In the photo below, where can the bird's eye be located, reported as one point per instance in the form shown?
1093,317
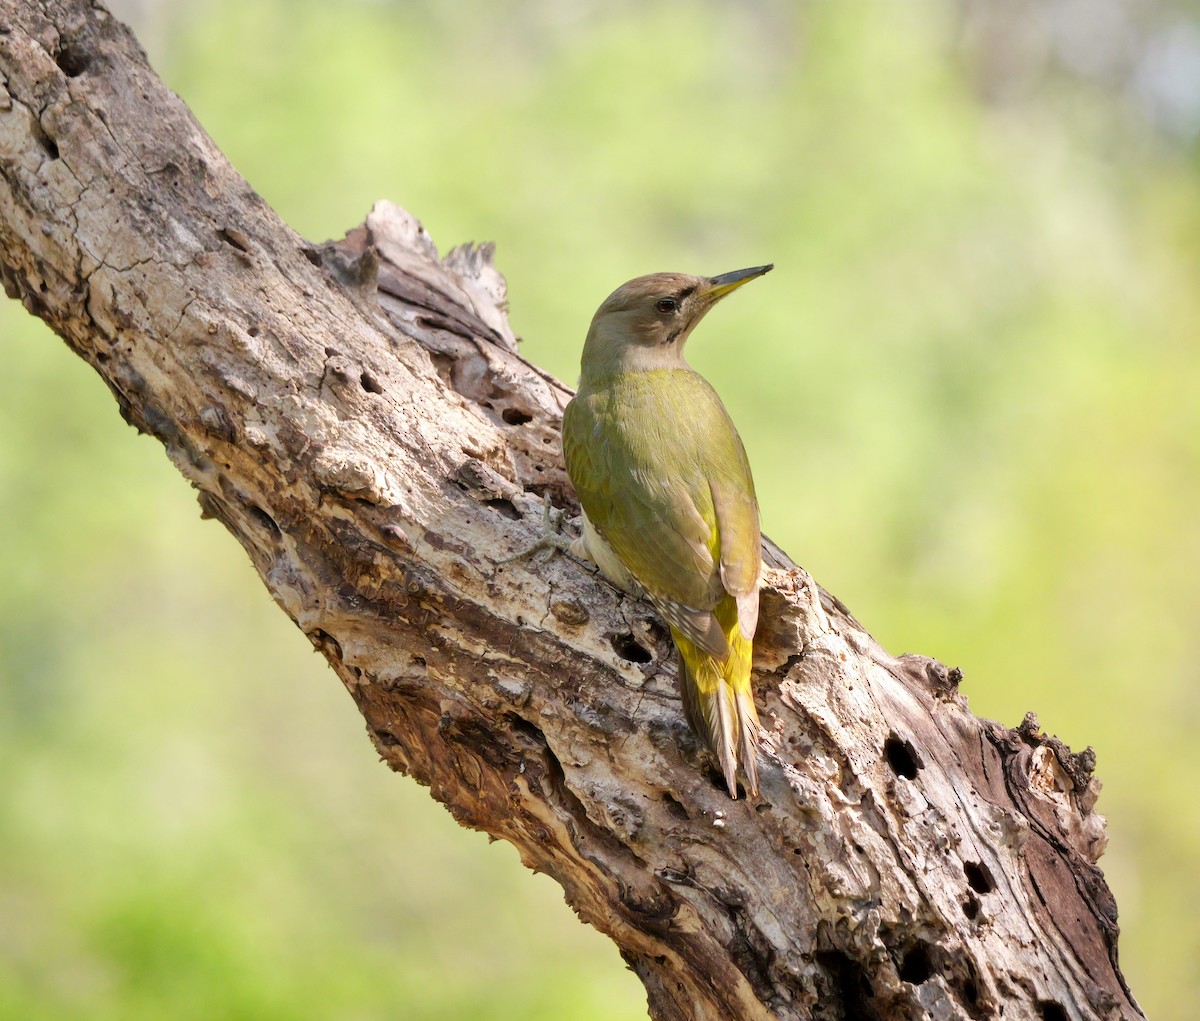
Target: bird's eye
667,305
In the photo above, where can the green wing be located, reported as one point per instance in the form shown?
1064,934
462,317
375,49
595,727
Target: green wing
663,477
741,541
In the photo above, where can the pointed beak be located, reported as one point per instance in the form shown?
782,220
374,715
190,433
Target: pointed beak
722,285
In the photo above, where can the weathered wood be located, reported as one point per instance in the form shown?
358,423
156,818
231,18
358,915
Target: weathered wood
357,416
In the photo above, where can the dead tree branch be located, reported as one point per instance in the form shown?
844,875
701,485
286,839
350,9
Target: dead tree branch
358,418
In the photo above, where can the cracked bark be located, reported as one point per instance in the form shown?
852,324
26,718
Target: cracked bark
357,416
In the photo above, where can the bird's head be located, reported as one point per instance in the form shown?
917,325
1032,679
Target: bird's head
644,323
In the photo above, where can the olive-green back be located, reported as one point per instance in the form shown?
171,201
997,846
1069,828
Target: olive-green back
662,474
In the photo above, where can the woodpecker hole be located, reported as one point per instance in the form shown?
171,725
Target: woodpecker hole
504,507
901,757
370,384
48,144
917,966
264,519
323,641
970,994
515,416
385,738
629,648
72,61
978,877
674,806
1052,1011
848,984
235,239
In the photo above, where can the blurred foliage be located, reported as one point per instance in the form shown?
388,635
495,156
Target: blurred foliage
969,391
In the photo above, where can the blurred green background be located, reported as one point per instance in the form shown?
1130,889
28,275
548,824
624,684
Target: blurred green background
970,391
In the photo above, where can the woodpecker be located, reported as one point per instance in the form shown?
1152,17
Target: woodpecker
669,509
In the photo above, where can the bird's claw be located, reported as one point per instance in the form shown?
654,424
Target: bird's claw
551,538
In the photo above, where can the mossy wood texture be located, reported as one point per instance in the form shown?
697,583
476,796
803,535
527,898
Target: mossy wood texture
358,417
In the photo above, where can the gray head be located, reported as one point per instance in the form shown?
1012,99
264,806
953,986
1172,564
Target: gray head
644,323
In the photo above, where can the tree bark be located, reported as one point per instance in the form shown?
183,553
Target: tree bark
356,414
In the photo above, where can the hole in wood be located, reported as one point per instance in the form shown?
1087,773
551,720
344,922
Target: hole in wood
72,61
1052,1011
504,507
675,806
324,642
385,738
901,757
917,965
970,993
849,986
370,383
235,239
971,907
265,520
47,143
978,877
629,648
529,731
515,416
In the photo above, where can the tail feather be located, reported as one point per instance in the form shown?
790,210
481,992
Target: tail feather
748,738
719,704
726,735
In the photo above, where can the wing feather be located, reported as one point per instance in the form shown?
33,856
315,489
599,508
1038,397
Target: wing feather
741,542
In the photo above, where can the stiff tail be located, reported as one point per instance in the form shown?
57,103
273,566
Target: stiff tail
719,704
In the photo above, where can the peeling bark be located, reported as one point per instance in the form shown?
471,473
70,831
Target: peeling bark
357,416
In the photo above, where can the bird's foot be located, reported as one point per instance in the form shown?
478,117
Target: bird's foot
552,538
